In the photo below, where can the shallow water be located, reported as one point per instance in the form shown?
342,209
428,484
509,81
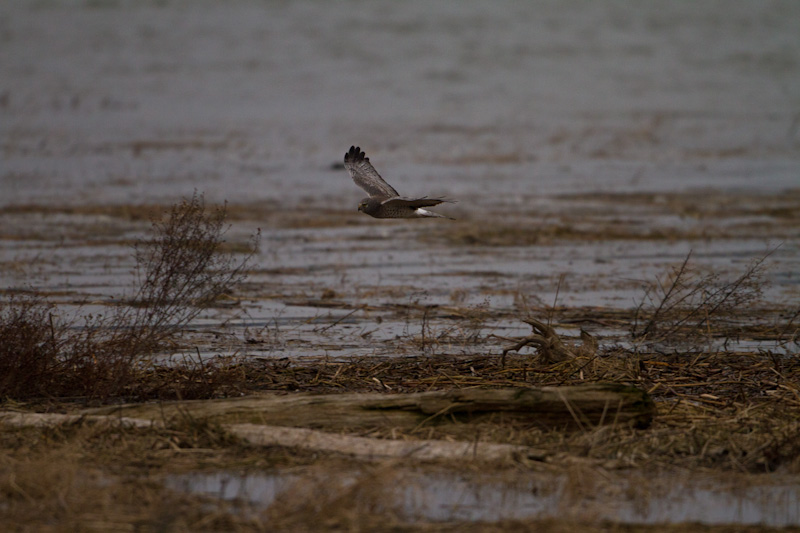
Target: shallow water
454,497
126,101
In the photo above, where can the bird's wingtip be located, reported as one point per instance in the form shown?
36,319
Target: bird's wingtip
354,154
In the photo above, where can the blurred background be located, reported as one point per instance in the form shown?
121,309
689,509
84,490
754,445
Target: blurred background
136,101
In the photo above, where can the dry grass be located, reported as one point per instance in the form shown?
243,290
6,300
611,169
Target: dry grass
78,477
717,411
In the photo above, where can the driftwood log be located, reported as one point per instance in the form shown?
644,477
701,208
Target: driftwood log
316,421
581,407
364,448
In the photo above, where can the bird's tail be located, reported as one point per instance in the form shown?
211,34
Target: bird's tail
425,213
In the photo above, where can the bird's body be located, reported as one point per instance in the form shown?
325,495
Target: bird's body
383,201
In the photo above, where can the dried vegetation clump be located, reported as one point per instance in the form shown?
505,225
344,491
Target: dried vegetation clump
687,307
725,411
29,343
179,271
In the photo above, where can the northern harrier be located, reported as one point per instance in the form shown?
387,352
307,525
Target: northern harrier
383,201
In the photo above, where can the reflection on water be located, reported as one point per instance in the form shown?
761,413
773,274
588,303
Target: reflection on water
451,497
257,488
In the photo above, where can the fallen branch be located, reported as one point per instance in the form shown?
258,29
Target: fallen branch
372,449
550,346
573,407
17,419
310,439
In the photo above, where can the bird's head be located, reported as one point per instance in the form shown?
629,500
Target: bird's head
362,205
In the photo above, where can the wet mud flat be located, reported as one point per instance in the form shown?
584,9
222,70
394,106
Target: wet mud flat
325,273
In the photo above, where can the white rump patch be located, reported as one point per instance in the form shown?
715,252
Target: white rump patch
426,213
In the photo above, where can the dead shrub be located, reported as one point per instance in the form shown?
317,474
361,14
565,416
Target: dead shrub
29,346
688,306
179,270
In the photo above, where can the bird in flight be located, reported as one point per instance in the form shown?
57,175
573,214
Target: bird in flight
383,201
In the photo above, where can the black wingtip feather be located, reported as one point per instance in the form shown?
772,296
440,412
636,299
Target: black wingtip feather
355,154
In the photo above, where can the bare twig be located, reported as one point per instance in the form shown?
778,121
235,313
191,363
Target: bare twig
692,305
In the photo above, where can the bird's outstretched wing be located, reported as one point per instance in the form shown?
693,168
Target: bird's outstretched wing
365,175
415,202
